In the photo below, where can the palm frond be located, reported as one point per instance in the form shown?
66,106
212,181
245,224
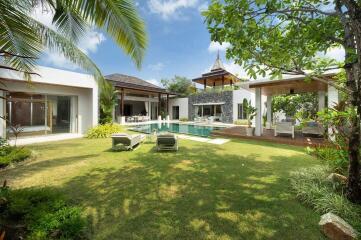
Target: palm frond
57,43
120,19
19,42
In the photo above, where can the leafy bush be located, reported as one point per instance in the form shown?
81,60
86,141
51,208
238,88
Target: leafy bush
337,159
43,213
183,119
9,154
312,187
241,122
104,130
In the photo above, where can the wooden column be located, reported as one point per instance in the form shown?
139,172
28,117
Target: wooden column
122,103
222,81
205,84
214,84
231,82
167,104
159,103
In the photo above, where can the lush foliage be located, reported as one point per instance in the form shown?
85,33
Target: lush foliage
183,119
313,188
10,154
249,110
40,214
104,130
23,38
335,158
300,106
180,85
241,122
107,101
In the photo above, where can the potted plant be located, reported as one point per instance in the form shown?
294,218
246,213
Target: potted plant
250,113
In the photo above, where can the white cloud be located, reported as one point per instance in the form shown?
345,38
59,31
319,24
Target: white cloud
156,67
170,8
337,53
155,82
203,6
88,43
215,46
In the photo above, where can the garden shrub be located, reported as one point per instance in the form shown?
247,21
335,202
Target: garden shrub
312,187
241,122
104,130
336,159
183,119
43,213
10,154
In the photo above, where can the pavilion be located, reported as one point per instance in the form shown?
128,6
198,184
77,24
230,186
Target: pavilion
291,85
217,77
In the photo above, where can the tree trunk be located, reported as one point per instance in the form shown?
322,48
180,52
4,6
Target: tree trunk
352,45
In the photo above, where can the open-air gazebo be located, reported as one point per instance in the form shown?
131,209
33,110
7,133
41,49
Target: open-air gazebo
217,77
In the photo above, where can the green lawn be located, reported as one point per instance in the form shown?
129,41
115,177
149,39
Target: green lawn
238,190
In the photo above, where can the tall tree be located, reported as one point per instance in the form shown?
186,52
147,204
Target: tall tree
23,38
285,37
180,85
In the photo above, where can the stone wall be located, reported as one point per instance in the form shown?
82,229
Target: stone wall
213,97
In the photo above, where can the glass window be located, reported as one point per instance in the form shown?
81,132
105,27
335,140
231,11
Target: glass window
241,113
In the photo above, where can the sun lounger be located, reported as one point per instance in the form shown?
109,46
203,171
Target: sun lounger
126,141
167,141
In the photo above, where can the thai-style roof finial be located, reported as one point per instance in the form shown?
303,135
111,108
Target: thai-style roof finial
218,63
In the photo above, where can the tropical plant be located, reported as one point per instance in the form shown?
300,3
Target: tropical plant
23,39
107,100
180,85
104,130
296,105
287,37
249,110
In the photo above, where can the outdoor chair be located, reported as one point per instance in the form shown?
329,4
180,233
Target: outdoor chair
126,141
313,128
284,128
167,141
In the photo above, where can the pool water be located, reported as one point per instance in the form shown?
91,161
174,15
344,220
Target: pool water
202,131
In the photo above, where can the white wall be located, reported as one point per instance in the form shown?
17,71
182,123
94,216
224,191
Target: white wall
183,107
238,96
58,82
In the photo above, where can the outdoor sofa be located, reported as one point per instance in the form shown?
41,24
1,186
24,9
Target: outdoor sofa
284,128
313,128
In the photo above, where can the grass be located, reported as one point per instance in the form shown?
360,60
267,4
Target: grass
239,190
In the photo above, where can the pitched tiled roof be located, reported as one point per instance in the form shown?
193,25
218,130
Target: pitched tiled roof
121,80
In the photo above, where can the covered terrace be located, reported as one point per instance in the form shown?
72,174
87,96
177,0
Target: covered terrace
264,90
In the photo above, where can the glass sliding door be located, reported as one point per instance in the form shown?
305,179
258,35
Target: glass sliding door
37,114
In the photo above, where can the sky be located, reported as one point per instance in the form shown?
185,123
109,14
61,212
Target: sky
178,44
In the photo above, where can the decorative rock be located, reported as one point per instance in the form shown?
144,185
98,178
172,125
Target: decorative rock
337,178
335,228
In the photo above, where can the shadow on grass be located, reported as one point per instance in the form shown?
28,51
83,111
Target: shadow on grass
195,193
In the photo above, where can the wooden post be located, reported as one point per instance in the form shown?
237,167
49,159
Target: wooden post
167,104
205,84
222,81
214,83
159,104
122,102
231,82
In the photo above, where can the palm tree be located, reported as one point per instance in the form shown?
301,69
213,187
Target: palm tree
23,38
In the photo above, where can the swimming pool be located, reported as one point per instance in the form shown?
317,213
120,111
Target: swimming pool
202,131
